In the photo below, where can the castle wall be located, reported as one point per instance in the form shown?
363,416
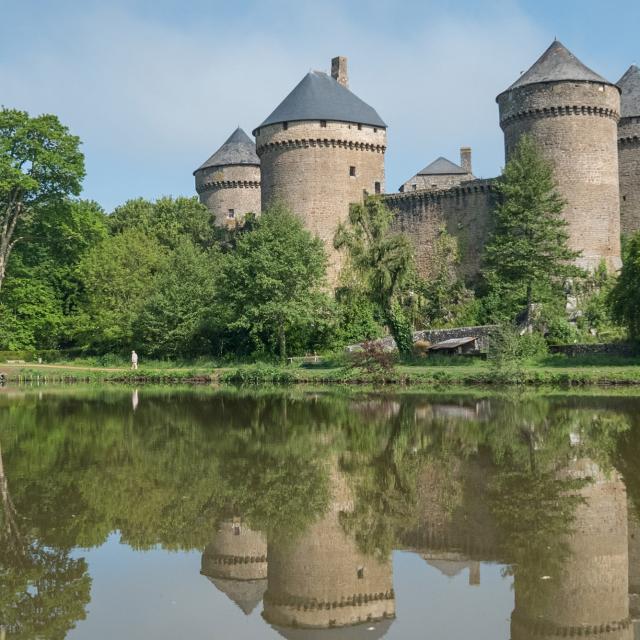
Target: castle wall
465,211
589,596
307,167
629,161
235,187
575,127
322,579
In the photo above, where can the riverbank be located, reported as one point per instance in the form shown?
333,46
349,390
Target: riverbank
551,370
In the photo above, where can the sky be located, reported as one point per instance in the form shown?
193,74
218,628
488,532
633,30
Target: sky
154,87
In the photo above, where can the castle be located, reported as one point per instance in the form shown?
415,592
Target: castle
323,148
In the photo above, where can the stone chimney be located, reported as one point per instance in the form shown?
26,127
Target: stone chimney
339,71
465,159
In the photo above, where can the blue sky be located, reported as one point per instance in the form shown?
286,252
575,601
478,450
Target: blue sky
154,87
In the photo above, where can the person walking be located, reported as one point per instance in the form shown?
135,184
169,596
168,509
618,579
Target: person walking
134,360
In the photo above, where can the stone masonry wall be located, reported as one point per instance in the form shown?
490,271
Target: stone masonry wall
465,212
629,161
307,167
419,182
234,187
575,126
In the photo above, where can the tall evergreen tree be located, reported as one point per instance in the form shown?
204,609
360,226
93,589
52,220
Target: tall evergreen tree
527,258
625,296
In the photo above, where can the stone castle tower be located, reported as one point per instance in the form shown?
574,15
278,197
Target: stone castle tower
321,580
572,114
589,597
228,183
629,150
236,563
320,150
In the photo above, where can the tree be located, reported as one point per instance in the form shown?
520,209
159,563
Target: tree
271,285
40,163
383,260
527,258
169,220
173,320
625,296
119,279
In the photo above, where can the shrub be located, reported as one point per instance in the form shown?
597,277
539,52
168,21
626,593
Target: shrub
374,359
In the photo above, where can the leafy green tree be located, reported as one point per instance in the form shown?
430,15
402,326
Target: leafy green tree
40,163
42,289
625,296
527,258
173,321
271,285
169,220
119,276
383,260
447,301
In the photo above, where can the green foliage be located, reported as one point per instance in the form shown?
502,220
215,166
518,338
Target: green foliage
374,359
119,276
527,259
383,261
257,374
169,220
40,164
624,298
356,316
447,301
173,320
508,350
270,287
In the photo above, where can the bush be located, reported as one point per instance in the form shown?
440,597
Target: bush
258,373
374,359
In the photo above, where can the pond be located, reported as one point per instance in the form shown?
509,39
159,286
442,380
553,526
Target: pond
202,513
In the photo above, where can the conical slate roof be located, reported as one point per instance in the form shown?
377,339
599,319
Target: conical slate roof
238,148
247,594
630,87
556,64
442,167
319,97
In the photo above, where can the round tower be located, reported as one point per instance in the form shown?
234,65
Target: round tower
320,150
236,563
588,596
629,150
321,580
228,183
572,114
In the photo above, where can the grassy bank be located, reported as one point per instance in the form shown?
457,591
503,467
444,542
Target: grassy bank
550,370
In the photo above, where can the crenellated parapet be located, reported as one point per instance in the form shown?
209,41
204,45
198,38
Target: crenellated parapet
227,184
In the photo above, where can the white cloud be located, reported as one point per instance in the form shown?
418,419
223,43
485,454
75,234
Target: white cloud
155,98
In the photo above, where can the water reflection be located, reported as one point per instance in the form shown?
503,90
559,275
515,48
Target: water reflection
298,501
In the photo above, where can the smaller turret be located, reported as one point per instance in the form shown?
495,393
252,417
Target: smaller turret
228,183
441,174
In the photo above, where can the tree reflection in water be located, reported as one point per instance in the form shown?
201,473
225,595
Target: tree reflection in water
305,496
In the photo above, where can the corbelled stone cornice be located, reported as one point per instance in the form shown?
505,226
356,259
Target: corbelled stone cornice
305,143
559,111
228,184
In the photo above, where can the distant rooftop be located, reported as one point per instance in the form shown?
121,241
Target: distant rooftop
319,97
556,64
238,148
630,87
442,167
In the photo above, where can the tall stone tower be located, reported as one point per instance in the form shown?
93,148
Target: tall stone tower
320,150
629,150
322,580
236,563
572,114
588,597
228,183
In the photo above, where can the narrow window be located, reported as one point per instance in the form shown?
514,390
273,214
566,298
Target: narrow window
285,125
434,186
360,573
375,129
352,172
236,529
323,123
624,198
231,213
376,187
414,187
359,127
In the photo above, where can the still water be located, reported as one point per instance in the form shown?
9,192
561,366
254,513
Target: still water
237,514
